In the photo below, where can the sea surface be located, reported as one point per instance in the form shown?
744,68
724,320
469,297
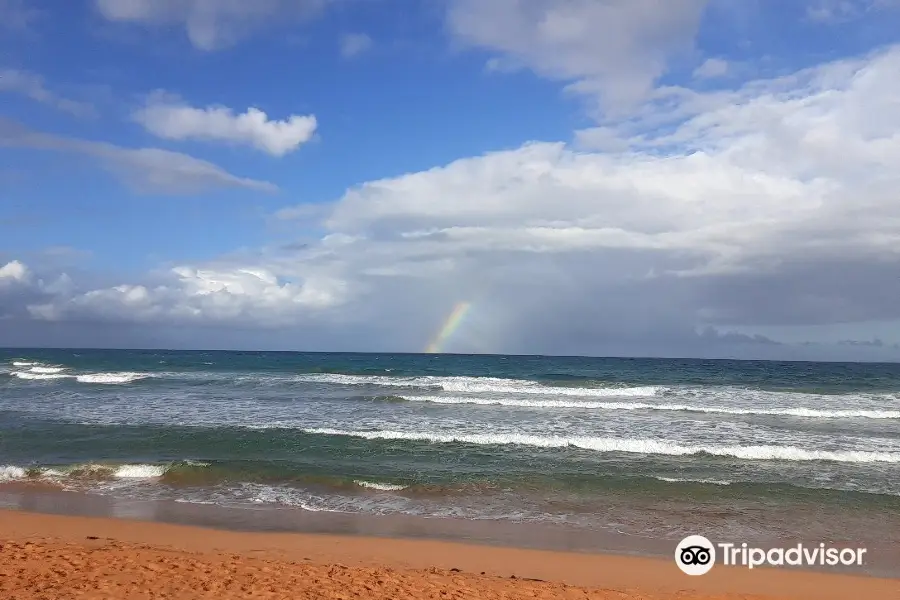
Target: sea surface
649,448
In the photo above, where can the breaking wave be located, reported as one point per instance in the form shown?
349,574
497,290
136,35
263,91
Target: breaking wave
477,385
679,480
383,487
39,376
91,470
53,373
140,471
47,370
626,445
536,403
110,378
12,472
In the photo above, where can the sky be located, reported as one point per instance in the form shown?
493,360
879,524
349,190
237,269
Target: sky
690,178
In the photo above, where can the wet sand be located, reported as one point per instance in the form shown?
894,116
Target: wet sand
54,556
43,498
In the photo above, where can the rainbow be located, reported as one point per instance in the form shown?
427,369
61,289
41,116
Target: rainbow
451,324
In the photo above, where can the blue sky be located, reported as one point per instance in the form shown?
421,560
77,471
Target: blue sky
655,170
408,103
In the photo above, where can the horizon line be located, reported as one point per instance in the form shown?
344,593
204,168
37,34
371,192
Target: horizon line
437,354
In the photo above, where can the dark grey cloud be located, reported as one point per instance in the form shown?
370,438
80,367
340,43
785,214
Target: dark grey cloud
829,291
875,343
406,316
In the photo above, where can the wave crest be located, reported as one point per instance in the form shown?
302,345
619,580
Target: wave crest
537,403
626,445
39,376
91,471
382,487
478,385
101,378
140,471
679,480
110,378
47,370
12,472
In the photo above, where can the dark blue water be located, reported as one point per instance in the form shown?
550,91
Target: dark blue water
645,447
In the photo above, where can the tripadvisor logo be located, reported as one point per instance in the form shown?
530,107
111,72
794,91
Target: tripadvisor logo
696,555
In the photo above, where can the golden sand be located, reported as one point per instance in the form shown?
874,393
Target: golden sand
55,557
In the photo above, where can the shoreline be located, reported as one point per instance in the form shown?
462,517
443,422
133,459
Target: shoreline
152,554
31,498
48,499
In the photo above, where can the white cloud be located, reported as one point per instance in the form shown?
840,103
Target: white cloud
13,271
615,49
144,169
711,68
771,204
169,117
209,24
186,295
354,44
32,86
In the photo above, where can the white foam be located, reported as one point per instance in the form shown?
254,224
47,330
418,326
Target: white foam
131,471
110,378
139,471
811,413
287,497
505,386
52,473
536,403
709,481
39,376
311,508
89,468
47,370
527,403
479,385
383,487
47,373
22,363
11,472
626,445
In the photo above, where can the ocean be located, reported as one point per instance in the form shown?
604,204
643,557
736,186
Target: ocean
650,449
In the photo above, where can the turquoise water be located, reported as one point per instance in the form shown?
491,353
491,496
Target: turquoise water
644,447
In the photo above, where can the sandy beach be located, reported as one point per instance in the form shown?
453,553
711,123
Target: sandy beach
53,556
